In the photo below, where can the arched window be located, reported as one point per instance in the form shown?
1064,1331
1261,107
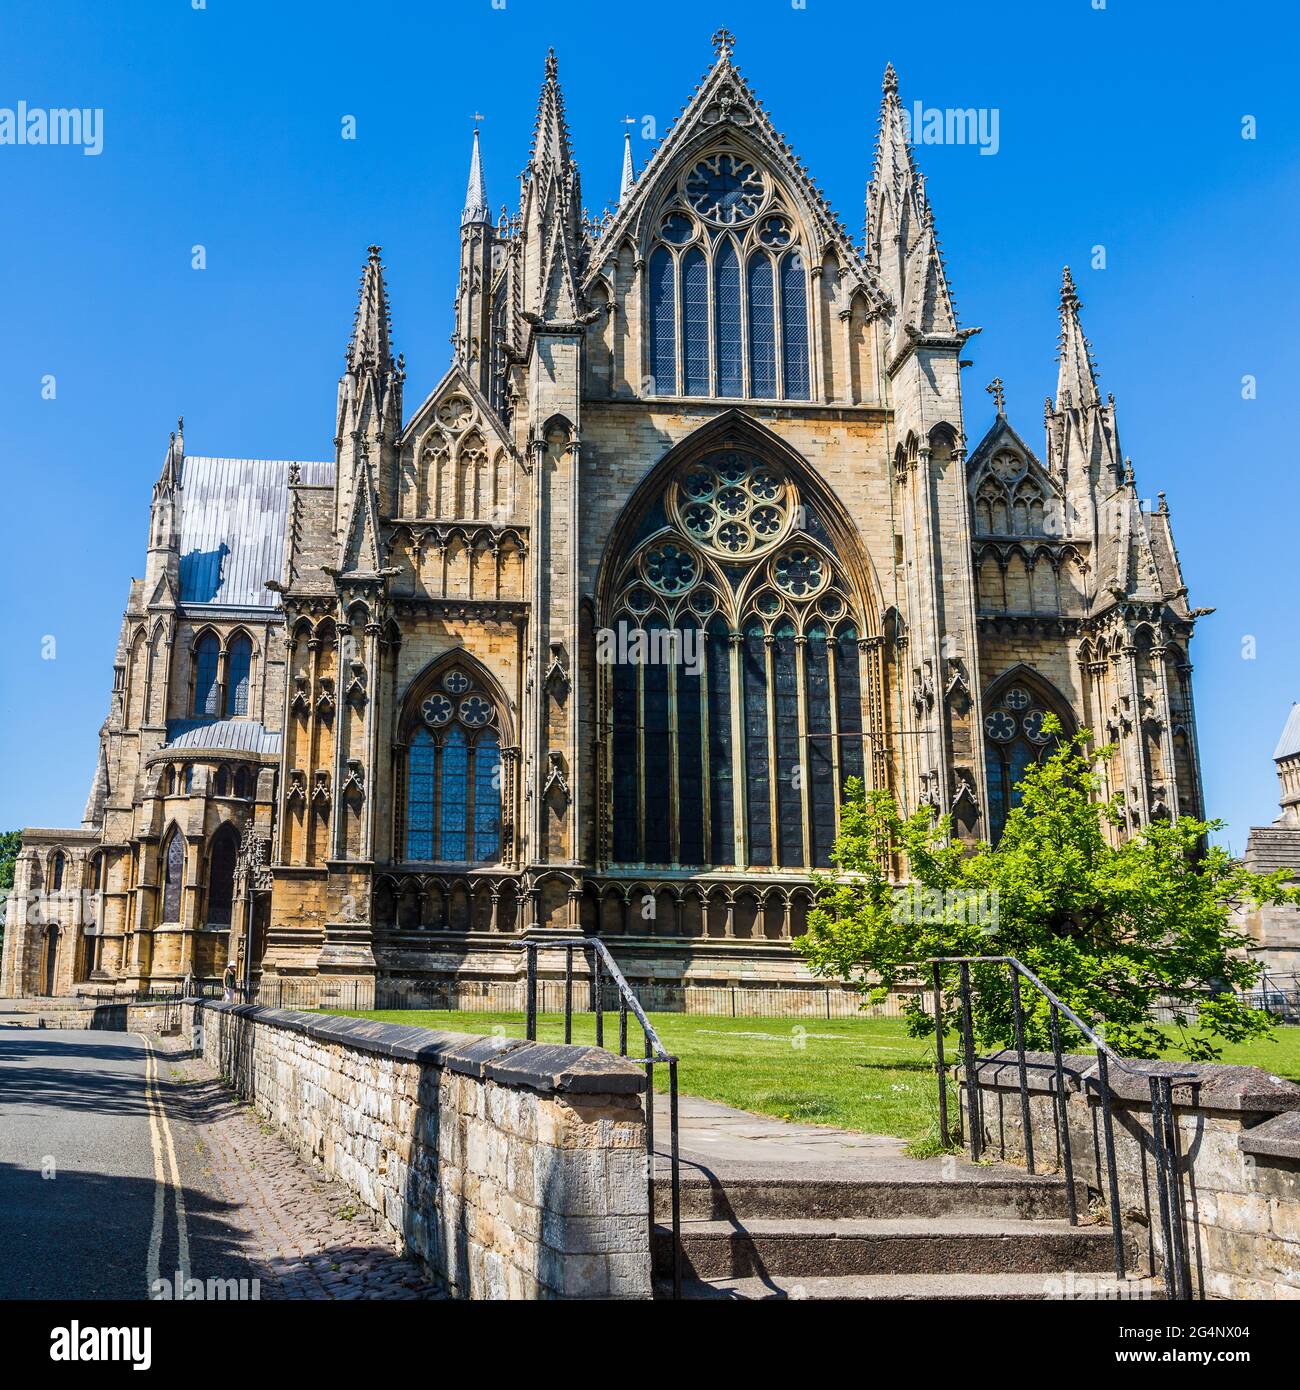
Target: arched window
762,327
243,783
727,265
726,299
221,783
221,875
736,712
207,693
794,325
695,322
239,662
1013,741
56,872
173,866
663,323
451,809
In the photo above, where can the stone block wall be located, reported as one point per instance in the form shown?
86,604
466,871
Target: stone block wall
509,1169
1238,1132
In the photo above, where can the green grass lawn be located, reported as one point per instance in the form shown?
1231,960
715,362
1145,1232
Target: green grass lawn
857,1073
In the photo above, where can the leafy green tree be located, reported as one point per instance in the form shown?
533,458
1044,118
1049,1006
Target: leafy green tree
1112,929
10,843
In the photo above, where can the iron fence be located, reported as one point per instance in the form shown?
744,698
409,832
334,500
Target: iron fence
1169,1190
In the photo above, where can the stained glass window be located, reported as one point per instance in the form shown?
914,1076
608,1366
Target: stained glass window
794,326
655,759
848,687
688,693
663,323
721,803
173,874
695,322
726,294
1013,741
627,838
453,794
238,664
821,767
221,876
206,691
757,759
487,799
762,329
421,783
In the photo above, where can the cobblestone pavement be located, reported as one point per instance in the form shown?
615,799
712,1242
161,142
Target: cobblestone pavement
304,1235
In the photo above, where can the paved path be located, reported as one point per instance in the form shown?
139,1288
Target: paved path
124,1162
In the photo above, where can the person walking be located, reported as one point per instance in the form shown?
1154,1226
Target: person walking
228,983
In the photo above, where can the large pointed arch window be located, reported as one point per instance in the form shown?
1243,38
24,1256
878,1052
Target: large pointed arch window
239,665
449,809
173,866
728,288
1014,740
222,857
207,693
731,676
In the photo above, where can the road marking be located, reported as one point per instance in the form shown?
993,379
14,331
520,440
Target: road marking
160,1137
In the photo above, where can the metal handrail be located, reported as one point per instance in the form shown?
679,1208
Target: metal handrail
602,963
1163,1130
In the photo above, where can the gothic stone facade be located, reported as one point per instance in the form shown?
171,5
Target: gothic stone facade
380,714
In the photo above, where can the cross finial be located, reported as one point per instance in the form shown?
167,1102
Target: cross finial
723,42
479,118
996,390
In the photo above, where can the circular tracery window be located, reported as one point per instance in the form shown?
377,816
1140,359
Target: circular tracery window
725,189
457,700
732,503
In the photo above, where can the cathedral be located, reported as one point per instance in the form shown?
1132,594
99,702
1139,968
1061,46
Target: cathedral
591,634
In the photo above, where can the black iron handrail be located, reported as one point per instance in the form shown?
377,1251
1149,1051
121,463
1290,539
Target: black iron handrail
1164,1132
604,966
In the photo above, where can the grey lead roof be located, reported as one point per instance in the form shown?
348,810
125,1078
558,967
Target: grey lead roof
230,735
1289,744
233,514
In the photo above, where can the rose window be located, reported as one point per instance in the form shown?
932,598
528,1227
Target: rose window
436,710
1000,726
456,681
1016,698
475,711
725,189
799,573
1032,724
732,503
670,568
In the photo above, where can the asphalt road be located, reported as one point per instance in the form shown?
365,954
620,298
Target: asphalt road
102,1184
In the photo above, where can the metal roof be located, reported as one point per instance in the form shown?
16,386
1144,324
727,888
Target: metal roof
227,735
233,514
1289,744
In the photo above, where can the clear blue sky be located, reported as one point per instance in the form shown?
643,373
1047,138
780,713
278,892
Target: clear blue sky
1119,127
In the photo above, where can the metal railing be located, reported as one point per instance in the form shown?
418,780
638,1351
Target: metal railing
1163,1129
603,971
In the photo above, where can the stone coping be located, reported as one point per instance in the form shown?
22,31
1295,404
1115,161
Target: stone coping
1217,1085
552,1068
1275,1138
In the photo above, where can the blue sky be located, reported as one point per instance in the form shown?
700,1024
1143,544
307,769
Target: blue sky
1118,127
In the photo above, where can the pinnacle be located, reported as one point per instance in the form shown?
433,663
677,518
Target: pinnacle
1069,295
890,83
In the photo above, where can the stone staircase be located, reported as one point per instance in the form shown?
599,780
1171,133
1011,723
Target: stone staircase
914,1229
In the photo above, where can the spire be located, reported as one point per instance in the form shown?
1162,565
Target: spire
371,344
1076,382
902,245
476,203
551,212
169,480
628,181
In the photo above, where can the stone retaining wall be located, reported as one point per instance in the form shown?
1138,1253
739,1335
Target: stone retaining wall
510,1169
116,1016
1239,1160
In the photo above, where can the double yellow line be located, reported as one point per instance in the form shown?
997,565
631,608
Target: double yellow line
166,1174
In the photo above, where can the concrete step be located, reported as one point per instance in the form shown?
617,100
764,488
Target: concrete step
808,1248
1069,1286
981,1193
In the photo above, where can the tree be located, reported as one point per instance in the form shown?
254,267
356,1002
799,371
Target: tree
1111,929
11,842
